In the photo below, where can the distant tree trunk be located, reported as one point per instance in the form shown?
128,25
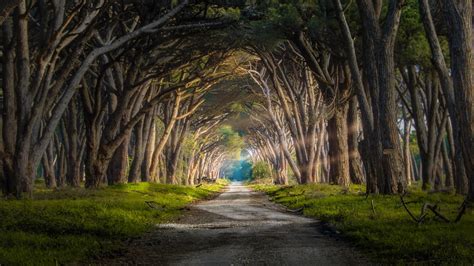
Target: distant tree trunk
449,181
406,148
49,161
356,168
170,121
73,153
139,154
150,131
96,172
61,166
191,166
338,147
424,143
459,171
173,151
95,165
117,168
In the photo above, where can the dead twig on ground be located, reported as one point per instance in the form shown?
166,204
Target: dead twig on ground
434,209
408,210
462,210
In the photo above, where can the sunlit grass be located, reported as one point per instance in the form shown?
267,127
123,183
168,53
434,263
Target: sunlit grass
388,233
67,225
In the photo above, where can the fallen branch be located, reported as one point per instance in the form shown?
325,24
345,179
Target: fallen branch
462,210
422,218
434,209
408,210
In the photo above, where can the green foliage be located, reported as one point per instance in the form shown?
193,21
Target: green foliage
261,170
264,35
219,12
75,224
412,46
414,148
232,141
389,233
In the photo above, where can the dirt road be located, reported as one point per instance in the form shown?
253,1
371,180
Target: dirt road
240,227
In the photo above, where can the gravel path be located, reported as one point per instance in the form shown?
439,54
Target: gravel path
239,227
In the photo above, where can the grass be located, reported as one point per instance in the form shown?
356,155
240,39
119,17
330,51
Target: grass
388,234
73,225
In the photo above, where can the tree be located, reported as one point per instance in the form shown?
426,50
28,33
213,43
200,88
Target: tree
458,15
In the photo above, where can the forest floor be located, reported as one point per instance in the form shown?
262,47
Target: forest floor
72,225
381,227
240,227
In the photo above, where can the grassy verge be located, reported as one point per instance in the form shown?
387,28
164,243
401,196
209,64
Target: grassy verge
388,233
63,226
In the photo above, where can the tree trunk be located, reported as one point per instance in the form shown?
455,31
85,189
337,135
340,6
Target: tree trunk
62,167
392,159
338,147
49,173
73,152
117,168
459,17
139,154
150,145
448,89
355,162
171,166
449,181
96,172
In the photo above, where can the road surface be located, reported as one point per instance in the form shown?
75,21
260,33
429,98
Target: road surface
239,227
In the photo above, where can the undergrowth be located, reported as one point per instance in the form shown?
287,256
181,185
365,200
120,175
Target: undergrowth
70,225
381,226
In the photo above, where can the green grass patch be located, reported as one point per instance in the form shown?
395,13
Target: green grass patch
70,225
389,234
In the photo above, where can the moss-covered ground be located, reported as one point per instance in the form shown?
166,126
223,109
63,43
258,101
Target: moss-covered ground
381,226
73,225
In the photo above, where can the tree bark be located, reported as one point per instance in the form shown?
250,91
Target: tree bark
338,147
138,155
6,7
355,161
117,168
458,14
448,89
73,177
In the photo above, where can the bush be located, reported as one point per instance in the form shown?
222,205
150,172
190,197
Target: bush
261,170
